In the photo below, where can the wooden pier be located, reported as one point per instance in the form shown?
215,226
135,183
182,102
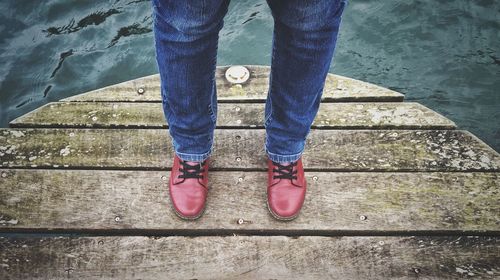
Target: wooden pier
395,190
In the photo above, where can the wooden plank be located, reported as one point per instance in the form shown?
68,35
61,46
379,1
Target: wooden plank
356,150
393,115
250,257
337,88
103,200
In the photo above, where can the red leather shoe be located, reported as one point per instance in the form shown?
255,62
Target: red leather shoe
188,187
286,189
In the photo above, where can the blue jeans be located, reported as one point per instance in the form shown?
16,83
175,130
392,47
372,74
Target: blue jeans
186,38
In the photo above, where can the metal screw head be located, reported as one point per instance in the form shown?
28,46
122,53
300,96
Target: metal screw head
238,137
237,74
416,270
4,174
381,243
100,242
362,217
240,179
237,109
71,134
164,178
141,90
94,118
117,218
238,121
315,178
240,221
238,159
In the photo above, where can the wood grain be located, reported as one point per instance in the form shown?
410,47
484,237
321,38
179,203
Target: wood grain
91,200
337,89
355,115
376,173
250,257
334,150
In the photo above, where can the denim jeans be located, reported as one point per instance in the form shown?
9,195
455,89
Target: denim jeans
186,38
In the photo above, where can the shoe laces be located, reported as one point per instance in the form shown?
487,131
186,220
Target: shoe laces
196,169
285,171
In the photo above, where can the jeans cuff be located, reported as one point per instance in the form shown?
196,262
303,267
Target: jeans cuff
194,157
283,158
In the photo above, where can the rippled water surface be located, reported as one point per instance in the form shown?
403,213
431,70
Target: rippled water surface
443,54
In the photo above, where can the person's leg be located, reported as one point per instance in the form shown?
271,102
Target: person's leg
304,39
186,37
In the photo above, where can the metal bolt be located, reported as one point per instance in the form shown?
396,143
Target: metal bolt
141,90
362,217
117,218
100,242
315,178
238,137
164,178
416,270
71,134
240,179
238,159
4,174
237,109
381,243
240,221
94,118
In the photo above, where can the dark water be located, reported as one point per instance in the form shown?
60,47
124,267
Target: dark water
443,54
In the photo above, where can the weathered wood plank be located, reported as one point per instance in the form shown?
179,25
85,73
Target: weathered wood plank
357,150
103,200
394,115
250,257
337,88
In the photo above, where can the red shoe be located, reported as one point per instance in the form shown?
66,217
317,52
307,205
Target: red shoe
286,189
188,187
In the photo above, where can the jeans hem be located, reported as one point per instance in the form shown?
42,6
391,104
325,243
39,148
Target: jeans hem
283,158
194,157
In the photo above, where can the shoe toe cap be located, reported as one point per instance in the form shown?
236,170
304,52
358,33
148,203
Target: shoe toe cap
188,203
285,202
